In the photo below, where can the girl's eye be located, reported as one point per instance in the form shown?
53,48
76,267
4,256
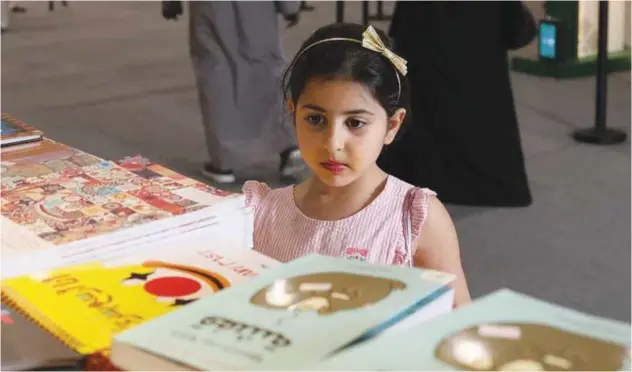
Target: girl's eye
355,124
314,119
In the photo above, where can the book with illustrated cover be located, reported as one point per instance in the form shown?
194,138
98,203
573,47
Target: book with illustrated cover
66,198
86,304
62,206
293,315
15,132
503,331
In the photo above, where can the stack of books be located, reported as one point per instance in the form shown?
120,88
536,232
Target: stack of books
502,331
63,194
212,310
68,213
84,305
189,306
63,206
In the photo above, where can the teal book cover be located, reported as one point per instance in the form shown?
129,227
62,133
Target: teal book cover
503,331
293,315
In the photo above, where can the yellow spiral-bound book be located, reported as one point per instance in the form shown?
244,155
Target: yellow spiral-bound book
85,305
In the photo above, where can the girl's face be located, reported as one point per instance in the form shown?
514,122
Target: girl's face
341,129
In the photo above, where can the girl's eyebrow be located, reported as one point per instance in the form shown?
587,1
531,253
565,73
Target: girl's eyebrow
348,112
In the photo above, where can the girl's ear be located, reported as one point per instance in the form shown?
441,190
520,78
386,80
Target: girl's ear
290,106
394,124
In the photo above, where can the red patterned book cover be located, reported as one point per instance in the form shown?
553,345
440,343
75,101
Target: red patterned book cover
68,195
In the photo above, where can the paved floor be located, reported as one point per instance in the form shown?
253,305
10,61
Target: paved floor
113,78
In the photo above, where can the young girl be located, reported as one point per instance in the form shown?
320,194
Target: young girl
349,97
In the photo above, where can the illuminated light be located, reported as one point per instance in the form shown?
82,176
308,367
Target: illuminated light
557,361
340,296
500,331
522,365
315,287
312,303
472,354
278,294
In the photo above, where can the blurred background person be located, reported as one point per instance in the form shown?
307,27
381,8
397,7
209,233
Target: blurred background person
237,56
465,142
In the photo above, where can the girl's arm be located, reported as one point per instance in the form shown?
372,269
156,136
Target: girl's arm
437,248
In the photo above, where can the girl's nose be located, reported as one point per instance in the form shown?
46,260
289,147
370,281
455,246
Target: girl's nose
335,138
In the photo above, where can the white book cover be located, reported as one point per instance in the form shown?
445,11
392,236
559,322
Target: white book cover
227,223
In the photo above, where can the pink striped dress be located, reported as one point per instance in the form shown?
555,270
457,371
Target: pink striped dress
382,232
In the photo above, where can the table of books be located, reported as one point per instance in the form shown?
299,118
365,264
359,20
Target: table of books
57,194
55,197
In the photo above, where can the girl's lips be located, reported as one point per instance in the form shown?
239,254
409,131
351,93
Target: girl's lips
334,167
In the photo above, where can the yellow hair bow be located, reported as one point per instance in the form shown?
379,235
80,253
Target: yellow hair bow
371,40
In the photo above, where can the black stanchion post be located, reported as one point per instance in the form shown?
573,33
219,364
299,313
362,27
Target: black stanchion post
600,134
380,10
380,16
365,12
340,11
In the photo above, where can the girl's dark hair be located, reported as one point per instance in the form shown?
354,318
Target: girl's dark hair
346,60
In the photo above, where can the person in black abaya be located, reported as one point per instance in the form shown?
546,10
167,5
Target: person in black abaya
464,141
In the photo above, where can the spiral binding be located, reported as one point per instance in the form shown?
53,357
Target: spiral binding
95,361
10,300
